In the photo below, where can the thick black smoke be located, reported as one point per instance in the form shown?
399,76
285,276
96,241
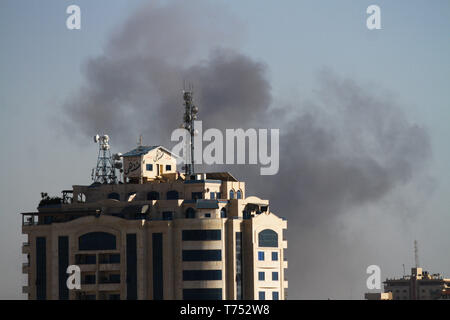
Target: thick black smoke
344,148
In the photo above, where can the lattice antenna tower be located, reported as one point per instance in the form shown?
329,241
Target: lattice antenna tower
105,171
416,253
190,115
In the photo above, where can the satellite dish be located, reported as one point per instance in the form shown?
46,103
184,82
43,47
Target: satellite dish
144,209
96,138
117,156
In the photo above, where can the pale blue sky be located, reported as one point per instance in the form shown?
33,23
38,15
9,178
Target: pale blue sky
40,66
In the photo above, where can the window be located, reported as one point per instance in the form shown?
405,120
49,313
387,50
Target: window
212,195
196,275
207,215
41,269
275,276
261,276
63,263
89,279
97,241
114,195
202,294
158,273
131,260
262,295
202,255
231,194
172,195
239,265
201,235
275,295
274,256
197,195
218,195
114,278
223,213
168,167
167,215
85,259
268,238
114,296
149,167
190,213
153,195
109,258
239,194
261,256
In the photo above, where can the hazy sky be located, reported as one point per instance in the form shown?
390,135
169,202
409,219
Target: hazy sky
407,61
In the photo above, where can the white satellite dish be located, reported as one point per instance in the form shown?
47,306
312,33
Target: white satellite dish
117,156
96,138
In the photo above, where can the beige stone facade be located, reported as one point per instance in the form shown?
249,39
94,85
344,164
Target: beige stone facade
163,237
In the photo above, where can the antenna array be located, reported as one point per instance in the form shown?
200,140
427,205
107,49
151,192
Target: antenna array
190,115
105,171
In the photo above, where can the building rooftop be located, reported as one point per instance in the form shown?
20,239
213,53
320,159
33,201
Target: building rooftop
141,150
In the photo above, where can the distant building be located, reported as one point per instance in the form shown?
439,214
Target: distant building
420,285
378,296
158,235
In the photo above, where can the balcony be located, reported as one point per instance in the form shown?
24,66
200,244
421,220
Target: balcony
26,247
25,267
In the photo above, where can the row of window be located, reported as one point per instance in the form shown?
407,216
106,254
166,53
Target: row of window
149,167
201,275
262,295
89,296
152,195
261,256
238,194
262,276
202,294
174,195
107,241
103,278
202,255
190,214
201,235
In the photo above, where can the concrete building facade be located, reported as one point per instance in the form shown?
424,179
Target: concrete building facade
158,235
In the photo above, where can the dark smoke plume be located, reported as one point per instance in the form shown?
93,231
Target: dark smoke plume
345,148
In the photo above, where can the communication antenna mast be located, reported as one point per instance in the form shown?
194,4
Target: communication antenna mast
190,115
416,253
105,172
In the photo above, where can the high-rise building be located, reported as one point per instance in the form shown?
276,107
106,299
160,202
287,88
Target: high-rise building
158,235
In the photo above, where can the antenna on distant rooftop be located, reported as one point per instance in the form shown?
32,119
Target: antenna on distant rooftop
416,253
190,115
105,171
